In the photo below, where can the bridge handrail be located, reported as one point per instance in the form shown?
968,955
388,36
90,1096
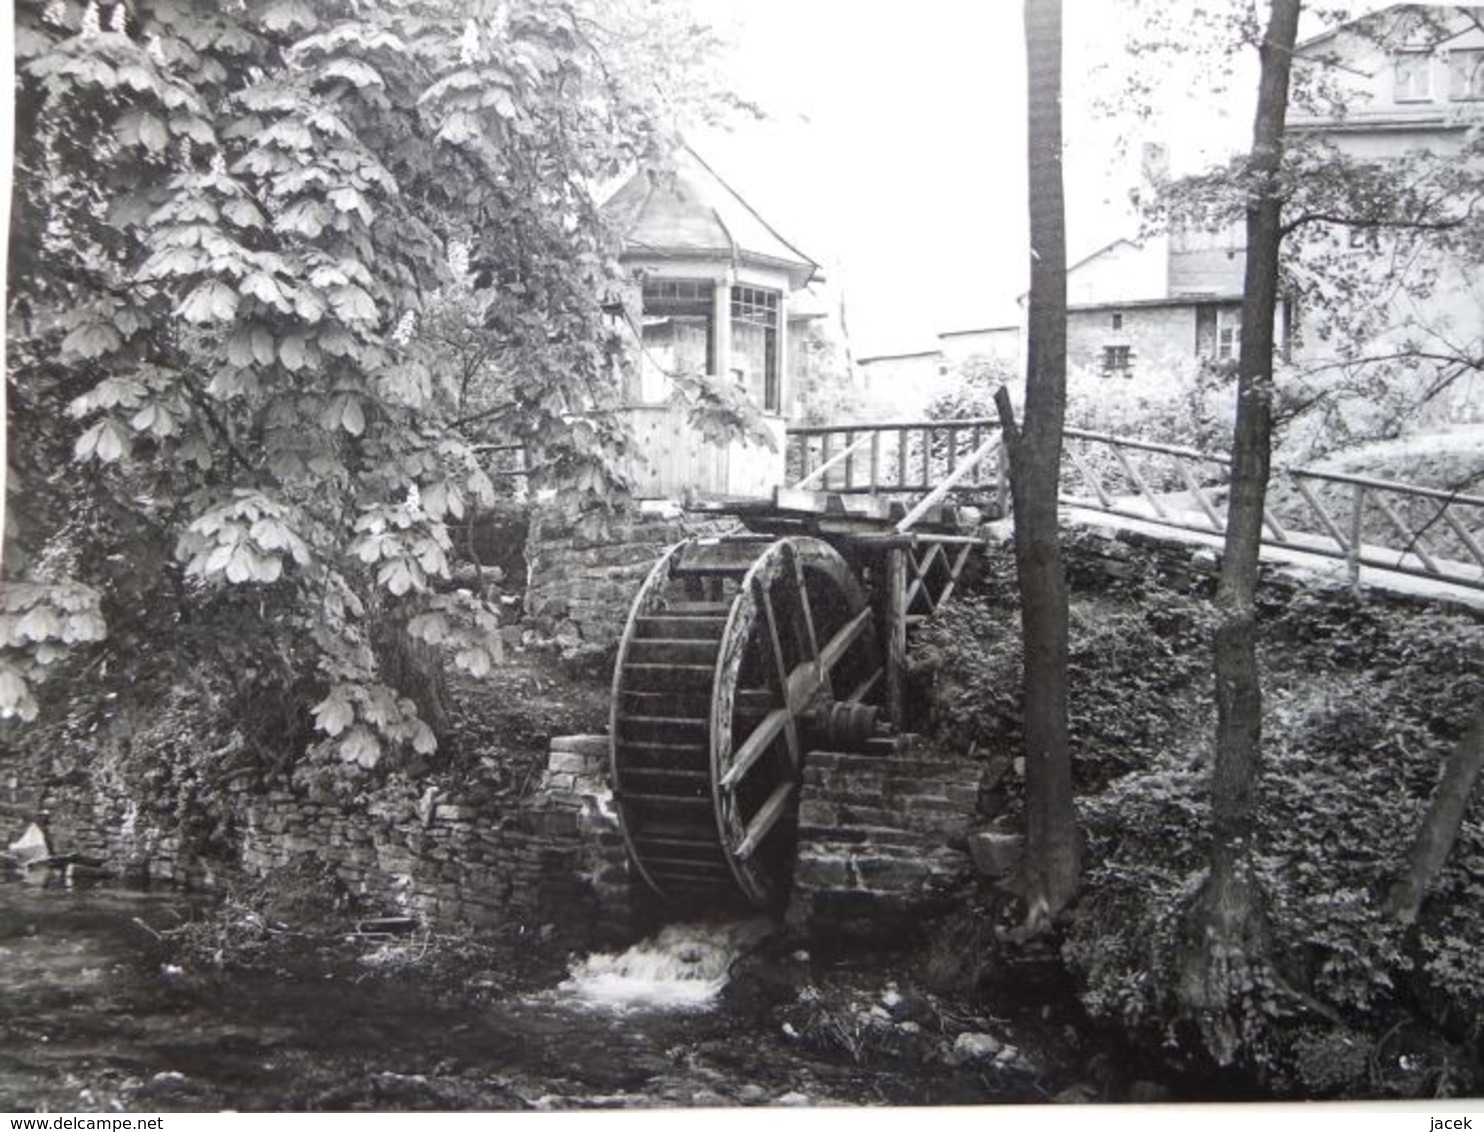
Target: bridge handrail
1339,535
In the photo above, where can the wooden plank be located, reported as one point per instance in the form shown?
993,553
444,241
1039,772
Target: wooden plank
1318,508
755,746
767,817
1413,539
875,508
836,647
920,582
955,570
764,597
1138,479
895,584
1198,494
1464,536
672,650
1357,518
866,686
822,472
811,638
940,492
1271,522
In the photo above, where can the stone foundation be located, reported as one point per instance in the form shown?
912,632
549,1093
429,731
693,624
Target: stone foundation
881,841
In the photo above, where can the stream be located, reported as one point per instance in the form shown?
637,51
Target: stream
98,1012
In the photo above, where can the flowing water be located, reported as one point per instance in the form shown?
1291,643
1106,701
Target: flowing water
97,1013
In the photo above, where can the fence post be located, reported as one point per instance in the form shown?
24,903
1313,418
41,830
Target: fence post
1357,503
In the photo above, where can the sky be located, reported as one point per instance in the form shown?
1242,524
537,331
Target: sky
895,150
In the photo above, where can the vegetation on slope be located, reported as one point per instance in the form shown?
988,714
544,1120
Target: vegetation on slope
1365,698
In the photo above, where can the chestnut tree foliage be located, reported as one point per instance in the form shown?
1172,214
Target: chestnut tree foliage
243,237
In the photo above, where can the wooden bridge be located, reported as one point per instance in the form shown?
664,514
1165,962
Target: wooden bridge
1362,522
748,655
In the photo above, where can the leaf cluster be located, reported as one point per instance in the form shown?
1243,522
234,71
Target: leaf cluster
278,270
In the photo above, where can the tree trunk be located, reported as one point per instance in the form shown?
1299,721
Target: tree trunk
1439,828
1052,847
1228,935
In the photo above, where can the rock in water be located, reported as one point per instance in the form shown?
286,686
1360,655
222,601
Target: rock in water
30,847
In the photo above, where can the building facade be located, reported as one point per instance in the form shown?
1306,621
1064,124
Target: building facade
714,294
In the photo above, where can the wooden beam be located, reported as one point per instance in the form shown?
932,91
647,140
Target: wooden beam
765,819
895,584
939,493
755,746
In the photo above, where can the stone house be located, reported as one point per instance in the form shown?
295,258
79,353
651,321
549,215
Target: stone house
1162,304
1400,84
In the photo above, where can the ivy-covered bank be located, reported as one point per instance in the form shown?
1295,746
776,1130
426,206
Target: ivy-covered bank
1364,698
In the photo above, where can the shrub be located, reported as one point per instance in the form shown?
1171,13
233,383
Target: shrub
1363,700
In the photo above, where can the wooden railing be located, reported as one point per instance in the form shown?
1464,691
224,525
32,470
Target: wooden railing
1362,521
900,458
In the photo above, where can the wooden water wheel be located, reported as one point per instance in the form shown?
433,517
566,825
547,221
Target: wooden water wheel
739,653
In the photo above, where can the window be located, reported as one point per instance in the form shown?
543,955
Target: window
1466,76
1117,320
756,344
1228,335
1218,332
1413,74
1118,359
679,335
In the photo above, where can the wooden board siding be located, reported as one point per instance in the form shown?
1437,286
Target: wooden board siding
672,460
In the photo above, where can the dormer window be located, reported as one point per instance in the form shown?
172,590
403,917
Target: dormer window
1413,74
1466,76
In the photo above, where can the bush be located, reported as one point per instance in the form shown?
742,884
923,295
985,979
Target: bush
1363,700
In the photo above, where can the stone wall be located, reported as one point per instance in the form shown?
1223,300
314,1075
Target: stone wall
444,858
579,587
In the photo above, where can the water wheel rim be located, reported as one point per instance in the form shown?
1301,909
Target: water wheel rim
649,598
785,568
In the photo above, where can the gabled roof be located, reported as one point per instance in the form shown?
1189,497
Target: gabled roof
1380,15
693,213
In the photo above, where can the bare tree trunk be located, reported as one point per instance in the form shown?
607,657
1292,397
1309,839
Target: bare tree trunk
1228,933
1439,828
1052,847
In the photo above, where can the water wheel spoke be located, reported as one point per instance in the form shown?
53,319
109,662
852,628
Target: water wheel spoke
838,645
806,611
866,686
788,686
765,819
755,746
